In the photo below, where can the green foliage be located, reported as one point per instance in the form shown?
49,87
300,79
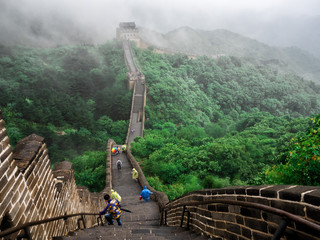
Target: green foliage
302,162
230,121
90,170
63,94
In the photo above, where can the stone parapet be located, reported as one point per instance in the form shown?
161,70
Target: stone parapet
226,221
31,191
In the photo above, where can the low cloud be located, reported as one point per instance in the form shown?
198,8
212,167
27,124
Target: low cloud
47,22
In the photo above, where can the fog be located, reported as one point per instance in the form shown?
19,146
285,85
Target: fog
51,22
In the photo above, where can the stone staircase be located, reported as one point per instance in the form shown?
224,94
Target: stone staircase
134,231
141,223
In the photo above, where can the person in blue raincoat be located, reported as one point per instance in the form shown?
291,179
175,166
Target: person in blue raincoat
145,194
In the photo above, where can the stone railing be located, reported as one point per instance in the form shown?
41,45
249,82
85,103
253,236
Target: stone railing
31,191
158,196
228,221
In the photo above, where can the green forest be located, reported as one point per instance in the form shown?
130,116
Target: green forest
210,122
219,122
76,97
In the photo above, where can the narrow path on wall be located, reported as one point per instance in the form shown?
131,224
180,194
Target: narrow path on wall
130,190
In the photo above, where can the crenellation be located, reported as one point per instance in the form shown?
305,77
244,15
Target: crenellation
3,136
4,167
12,169
6,153
5,142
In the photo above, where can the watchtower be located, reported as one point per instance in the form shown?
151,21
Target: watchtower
128,31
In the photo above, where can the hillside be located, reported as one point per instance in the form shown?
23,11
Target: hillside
222,42
73,96
217,122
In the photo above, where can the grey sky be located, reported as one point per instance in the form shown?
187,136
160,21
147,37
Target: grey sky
99,18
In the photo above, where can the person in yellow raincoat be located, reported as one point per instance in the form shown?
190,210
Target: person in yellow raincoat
114,194
124,148
135,174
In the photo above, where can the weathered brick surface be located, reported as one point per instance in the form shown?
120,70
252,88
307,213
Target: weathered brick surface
295,193
291,207
30,194
234,222
313,197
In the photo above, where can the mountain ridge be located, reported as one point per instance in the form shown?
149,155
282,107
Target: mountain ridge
224,42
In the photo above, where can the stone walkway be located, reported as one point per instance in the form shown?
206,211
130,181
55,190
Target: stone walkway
142,223
130,190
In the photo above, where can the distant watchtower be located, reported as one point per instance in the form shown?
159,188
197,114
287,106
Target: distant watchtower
129,31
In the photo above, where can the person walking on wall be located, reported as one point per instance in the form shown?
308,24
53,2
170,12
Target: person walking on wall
114,194
145,194
112,210
135,174
119,164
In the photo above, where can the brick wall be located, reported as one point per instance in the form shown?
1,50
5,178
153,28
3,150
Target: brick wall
224,221
30,190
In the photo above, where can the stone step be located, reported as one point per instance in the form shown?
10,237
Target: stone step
128,232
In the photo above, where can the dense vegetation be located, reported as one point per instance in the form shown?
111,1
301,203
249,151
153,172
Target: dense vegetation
213,123
73,96
210,122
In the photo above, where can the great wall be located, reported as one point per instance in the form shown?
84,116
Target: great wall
30,191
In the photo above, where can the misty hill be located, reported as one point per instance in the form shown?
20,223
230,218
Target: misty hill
223,42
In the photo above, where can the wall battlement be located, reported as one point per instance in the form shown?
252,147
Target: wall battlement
31,191
225,221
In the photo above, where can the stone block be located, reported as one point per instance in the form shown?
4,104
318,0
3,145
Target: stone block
220,224
270,217
241,198
295,193
254,190
222,208
239,219
313,213
291,207
272,192
250,212
259,200
313,198
234,228
230,236
246,232
260,236
4,168
234,209
229,217
256,224
292,234
5,153
3,133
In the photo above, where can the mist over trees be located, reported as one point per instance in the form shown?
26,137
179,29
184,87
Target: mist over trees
74,96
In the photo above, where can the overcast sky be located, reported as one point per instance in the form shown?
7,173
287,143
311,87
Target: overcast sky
99,18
